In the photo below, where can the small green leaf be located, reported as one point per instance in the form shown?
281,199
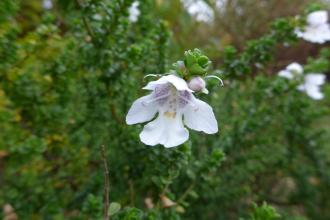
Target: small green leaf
196,69
114,207
190,58
203,61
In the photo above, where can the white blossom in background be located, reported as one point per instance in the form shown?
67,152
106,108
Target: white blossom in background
176,106
200,10
312,85
312,82
47,4
317,29
221,5
291,71
134,12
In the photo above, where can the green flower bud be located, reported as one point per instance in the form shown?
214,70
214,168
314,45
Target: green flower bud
196,69
195,62
180,68
204,61
190,58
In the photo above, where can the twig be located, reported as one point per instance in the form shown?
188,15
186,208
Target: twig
106,185
131,192
186,193
86,24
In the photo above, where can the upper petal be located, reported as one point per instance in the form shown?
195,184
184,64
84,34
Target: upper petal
315,79
179,83
153,84
166,130
295,67
141,111
199,116
286,74
317,18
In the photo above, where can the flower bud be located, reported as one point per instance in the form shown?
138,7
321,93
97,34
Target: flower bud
197,84
180,67
167,203
196,63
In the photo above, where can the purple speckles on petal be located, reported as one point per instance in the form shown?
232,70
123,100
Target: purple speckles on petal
160,91
184,98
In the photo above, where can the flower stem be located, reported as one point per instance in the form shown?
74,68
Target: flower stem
186,193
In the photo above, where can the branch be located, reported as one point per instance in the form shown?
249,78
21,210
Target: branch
186,193
85,21
106,185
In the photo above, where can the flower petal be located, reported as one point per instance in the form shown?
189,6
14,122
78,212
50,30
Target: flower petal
301,87
317,18
319,34
165,130
179,83
141,111
295,67
134,11
153,84
285,74
314,92
199,116
200,10
315,79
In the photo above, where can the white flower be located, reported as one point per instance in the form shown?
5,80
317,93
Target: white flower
312,85
197,84
221,5
199,9
134,12
176,105
312,82
317,29
47,4
291,70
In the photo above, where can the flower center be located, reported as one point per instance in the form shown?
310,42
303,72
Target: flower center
170,114
170,100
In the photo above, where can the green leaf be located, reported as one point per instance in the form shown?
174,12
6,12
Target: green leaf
190,58
114,207
203,61
196,69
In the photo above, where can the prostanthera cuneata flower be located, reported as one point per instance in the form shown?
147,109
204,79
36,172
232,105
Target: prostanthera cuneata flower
176,106
134,12
317,29
311,82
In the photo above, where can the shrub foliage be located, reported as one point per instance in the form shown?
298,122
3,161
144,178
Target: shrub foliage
67,79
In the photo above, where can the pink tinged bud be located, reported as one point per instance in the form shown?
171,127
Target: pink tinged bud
197,84
167,203
181,66
149,203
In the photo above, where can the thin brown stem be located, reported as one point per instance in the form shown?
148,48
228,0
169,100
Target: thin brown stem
186,193
86,23
106,185
131,192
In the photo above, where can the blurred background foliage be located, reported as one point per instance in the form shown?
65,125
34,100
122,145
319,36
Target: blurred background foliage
68,75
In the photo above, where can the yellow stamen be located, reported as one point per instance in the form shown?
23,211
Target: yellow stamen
170,114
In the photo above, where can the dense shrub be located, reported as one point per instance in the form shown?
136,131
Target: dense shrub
67,79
